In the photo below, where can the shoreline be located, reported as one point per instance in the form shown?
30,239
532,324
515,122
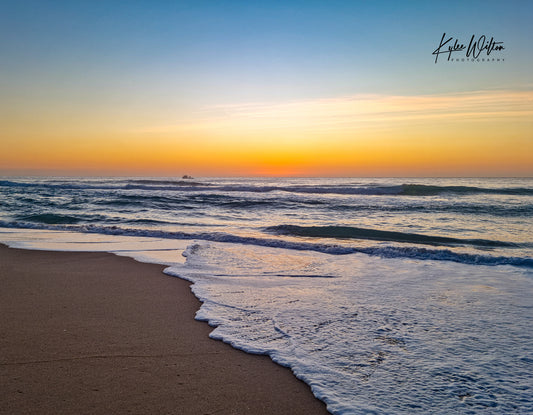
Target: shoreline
92,332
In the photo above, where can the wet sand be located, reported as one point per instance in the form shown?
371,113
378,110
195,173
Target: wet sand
93,333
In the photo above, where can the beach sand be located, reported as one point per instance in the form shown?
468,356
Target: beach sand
94,333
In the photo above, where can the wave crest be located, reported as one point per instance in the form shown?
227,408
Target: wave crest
349,232
383,252
406,189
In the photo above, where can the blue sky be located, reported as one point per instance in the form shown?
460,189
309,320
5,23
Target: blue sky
242,50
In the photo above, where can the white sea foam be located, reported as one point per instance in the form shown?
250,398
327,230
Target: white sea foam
377,335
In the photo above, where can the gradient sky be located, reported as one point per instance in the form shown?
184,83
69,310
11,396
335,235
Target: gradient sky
216,88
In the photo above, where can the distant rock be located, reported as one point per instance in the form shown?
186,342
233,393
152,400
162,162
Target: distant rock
187,177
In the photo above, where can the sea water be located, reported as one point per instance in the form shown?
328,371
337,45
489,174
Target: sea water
384,295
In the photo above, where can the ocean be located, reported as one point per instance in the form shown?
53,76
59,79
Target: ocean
400,295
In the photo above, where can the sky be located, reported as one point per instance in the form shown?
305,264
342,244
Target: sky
278,88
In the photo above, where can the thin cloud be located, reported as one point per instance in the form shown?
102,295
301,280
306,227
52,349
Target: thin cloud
359,111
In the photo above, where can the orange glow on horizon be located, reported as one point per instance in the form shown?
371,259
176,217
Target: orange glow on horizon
481,133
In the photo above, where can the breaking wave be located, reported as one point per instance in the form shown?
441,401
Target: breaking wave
332,249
